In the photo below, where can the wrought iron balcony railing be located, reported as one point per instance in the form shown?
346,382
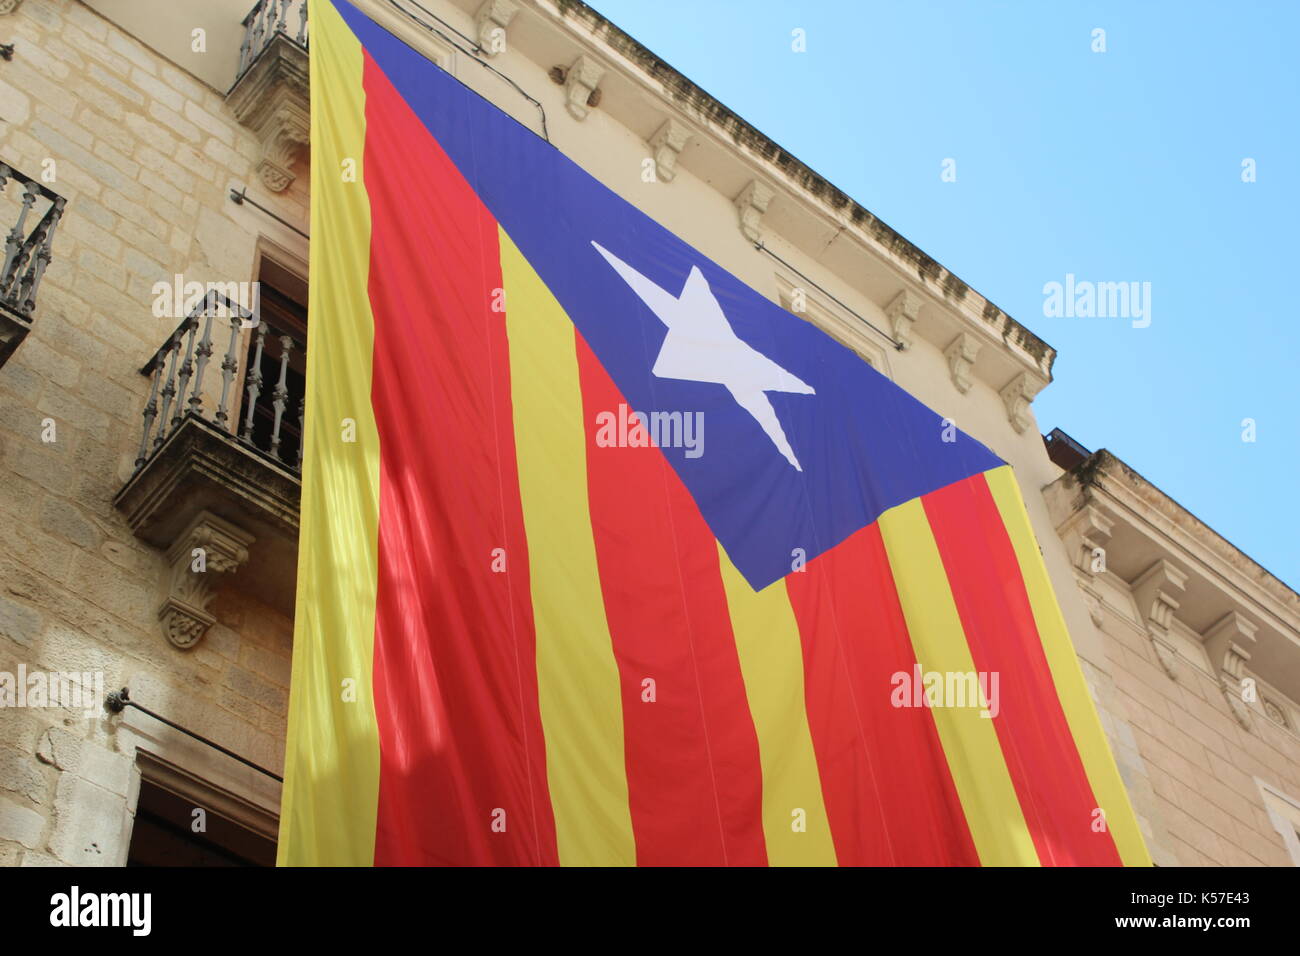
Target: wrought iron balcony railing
26,252
268,19
267,362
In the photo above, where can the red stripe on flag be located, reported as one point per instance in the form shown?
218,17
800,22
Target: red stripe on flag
694,778
455,684
889,794
1041,756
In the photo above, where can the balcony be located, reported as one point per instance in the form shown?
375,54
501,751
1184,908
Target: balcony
26,252
216,483
270,92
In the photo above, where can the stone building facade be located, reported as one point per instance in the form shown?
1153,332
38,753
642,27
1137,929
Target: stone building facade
148,423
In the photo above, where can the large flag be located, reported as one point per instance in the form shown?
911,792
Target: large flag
607,559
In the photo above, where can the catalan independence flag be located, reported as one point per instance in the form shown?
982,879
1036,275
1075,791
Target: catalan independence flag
606,559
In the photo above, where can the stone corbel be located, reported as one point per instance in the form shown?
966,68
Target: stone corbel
1228,644
1017,396
492,19
961,353
902,312
751,204
271,99
1156,592
284,135
209,547
666,145
1084,533
581,80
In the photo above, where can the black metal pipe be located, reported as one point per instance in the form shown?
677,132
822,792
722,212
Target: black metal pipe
119,700
242,197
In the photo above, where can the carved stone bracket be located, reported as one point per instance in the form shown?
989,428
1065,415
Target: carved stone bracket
1017,395
581,80
1086,532
666,145
1228,644
902,312
751,204
272,99
961,353
208,548
1156,592
492,19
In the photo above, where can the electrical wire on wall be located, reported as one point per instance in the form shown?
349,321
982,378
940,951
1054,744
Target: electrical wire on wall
473,53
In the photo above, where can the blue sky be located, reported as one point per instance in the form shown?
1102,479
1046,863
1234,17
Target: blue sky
1117,166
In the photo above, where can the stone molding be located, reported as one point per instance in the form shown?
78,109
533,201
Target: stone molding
491,21
1018,394
751,204
961,354
1243,616
202,468
902,313
1228,645
220,548
1157,592
581,86
665,146
1084,533
273,99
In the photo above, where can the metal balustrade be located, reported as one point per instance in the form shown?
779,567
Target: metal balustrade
268,19
27,252
177,371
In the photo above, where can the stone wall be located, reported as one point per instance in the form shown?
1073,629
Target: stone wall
1201,764
145,156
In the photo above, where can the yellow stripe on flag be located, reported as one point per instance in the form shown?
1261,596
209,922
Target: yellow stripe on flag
1067,673
331,784
577,677
771,662
979,771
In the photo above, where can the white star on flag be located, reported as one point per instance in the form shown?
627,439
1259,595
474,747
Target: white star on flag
701,347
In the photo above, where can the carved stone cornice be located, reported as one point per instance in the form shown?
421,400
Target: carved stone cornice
1228,644
751,204
491,21
208,548
961,354
1086,534
581,82
272,99
1228,599
665,146
1017,395
1157,592
902,312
